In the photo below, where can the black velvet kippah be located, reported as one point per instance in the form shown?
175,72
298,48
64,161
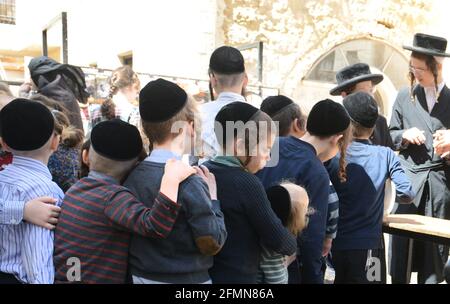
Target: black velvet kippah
116,140
161,100
26,125
273,105
227,60
362,109
233,112
280,201
327,118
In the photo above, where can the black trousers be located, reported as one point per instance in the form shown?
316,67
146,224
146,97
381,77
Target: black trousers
6,278
350,266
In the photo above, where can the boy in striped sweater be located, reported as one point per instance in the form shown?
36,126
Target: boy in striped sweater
99,215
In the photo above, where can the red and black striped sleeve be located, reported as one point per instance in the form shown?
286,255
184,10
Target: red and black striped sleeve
126,212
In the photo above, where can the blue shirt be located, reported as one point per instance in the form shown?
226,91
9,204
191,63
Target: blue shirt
361,197
26,250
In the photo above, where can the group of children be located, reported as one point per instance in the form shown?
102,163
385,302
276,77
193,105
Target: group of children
236,218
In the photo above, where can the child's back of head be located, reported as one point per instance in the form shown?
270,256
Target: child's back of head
286,112
28,129
290,203
114,148
166,110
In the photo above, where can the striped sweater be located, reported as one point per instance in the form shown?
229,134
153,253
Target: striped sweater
95,223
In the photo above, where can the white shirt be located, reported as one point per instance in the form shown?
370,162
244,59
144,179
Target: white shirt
208,112
430,94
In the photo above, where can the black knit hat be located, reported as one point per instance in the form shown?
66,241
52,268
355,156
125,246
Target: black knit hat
26,125
327,118
429,45
161,100
273,105
233,112
227,60
116,140
353,74
362,108
281,203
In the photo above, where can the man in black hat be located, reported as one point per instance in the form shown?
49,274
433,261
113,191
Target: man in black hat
418,114
228,81
359,78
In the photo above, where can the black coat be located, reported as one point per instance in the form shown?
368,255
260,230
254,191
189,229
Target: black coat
429,174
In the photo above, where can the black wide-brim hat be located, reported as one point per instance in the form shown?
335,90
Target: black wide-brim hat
429,45
353,74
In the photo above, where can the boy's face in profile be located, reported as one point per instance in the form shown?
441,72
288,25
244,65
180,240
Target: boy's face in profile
263,149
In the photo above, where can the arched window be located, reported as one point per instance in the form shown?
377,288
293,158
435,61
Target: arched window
382,58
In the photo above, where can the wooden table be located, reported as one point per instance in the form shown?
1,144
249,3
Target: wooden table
417,227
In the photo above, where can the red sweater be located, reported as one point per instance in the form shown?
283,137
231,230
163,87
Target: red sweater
97,220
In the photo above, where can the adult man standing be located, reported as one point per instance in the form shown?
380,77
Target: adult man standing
228,81
418,114
359,78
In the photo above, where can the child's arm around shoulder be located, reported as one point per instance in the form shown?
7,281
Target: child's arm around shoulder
126,212
203,213
40,211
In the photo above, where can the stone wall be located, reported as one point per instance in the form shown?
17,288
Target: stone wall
297,33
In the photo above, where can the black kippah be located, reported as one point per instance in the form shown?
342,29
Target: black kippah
233,112
327,118
227,60
280,201
116,140
26,125
362,108
161,100
273,105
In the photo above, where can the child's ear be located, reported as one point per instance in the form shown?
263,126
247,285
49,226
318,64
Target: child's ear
239,147
335,139
245,80
55,142
4,146
85,157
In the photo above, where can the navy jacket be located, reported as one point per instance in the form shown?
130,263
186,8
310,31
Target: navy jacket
298,162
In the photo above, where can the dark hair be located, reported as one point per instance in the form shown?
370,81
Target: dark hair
121,78
258,118
431,64
360,131
287,116
84,168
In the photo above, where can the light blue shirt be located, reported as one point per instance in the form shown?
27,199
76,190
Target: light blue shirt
208,112
26,250
161,156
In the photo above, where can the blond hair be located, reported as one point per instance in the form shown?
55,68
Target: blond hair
297,220
160,132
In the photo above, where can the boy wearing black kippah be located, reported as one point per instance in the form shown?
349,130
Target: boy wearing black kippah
28,132
300,161
227,80
361,197
185,256
99,215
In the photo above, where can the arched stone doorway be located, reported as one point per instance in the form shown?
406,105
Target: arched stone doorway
381,56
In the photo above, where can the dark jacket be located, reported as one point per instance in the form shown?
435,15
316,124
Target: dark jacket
298,162
185,256
250,222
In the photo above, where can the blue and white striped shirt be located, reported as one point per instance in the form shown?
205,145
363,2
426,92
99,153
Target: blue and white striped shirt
26,250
